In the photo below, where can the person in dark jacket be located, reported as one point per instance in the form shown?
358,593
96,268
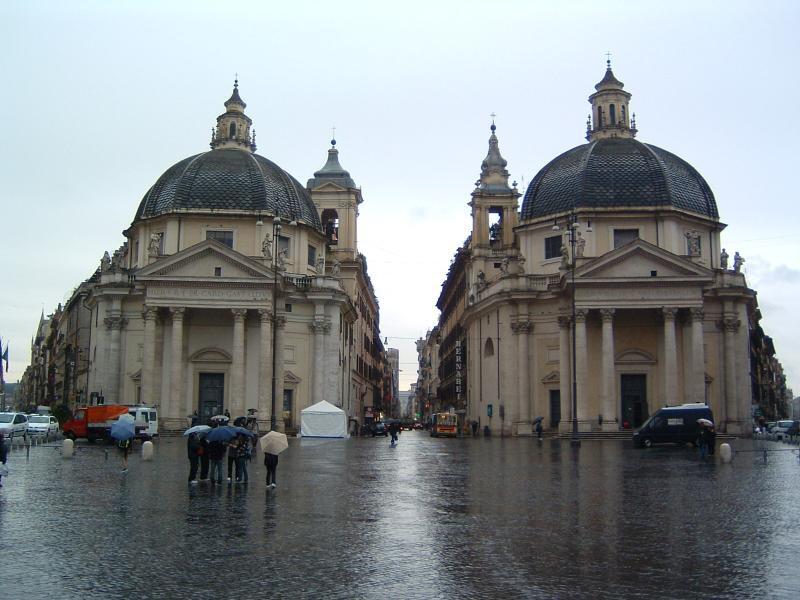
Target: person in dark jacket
193,449
203,459
242,458
539,429
3,454
271,462
712,439
216,452
394,429
233,452
702,441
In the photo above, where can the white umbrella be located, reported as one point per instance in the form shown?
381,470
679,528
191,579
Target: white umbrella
705,422
274,442
198,429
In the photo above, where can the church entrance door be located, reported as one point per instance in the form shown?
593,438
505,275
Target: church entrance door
212,395
634,400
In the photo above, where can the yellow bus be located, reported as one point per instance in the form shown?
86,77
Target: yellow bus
444,424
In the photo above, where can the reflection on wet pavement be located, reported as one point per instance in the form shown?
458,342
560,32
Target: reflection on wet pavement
430,518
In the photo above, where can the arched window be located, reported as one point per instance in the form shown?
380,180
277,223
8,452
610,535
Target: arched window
612,114
232,130
599,117
624,118
488,348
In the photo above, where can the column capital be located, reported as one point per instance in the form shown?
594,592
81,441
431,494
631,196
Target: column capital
177,312
239,314
149,313
669,313
580,315
280,322
115,322
563,322
320,327
697,314
729,324
266,314
521,327
607,314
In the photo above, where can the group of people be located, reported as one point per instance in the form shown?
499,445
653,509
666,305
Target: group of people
209,456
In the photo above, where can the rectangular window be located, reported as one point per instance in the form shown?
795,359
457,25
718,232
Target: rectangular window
283,244
217,271
312,256
287,307
552,246
223,237
625,236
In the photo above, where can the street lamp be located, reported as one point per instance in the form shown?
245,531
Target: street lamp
572,233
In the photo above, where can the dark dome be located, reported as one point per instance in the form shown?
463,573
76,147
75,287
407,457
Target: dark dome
617,172
229,179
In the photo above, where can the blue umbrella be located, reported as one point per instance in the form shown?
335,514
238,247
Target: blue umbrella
123,429
243,431
223,433
198,429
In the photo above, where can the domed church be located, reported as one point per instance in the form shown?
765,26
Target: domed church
616,246
237,287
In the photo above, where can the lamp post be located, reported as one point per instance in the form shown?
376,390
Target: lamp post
276,228
572,233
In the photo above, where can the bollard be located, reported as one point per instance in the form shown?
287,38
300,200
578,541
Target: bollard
67,448
725,453
147,450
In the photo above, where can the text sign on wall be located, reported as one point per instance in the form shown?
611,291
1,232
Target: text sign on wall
459,367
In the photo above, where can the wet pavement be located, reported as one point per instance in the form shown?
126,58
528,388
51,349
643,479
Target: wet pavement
430,518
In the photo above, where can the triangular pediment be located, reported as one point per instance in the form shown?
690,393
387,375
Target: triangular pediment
640,260
330,186
289,377
551,378
202,260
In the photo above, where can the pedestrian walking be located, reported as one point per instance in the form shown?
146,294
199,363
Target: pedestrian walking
702,441
204,459
474,429
393,431
124,449
193,450
216,452
271,462
242,458
233,451
711,439
4,457
539,429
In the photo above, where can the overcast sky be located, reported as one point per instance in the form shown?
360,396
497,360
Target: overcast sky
101,97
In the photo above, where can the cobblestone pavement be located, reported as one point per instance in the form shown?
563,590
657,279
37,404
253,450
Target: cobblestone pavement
430,518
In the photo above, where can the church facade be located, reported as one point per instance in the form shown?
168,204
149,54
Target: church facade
608,285
237,288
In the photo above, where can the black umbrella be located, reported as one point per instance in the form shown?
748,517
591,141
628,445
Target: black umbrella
537,419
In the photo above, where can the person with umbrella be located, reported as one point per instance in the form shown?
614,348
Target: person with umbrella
538,422
216,452
242,457
193,450
705,436
123,430
273,444
3,456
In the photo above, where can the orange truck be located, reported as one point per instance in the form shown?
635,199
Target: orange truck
93,422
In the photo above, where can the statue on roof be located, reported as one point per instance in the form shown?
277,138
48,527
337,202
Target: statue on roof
738,261
723,259
105,262
266,247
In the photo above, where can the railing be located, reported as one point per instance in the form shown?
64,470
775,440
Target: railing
302,282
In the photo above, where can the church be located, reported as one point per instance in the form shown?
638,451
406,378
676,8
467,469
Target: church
607,289
237,288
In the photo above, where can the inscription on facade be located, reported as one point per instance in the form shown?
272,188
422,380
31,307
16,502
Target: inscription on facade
208,293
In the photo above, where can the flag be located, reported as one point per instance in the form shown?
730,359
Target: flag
3,357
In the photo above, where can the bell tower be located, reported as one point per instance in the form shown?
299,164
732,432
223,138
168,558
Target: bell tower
233,126
610,116
337,198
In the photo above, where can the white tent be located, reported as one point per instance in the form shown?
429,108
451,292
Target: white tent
323,419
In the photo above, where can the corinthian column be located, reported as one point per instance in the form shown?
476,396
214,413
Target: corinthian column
521,329
581,363
150,317
698,366
608,378
564,377
114,324
727,407
265,363
237,368
320,328
670,357
176,371
280,325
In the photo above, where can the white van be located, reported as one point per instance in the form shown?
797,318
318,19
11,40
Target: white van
145,417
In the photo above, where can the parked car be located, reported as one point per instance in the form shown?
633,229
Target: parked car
780,431
14,424
379,428
146,419
672,425
794,430
43,425
418,425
